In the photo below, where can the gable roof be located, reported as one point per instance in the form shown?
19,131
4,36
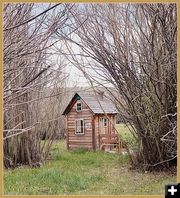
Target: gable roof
92,102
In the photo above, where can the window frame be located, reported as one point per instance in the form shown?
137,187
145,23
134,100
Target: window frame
105,119
83,127
79,102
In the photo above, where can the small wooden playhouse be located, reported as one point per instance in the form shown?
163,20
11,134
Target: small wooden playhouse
90,123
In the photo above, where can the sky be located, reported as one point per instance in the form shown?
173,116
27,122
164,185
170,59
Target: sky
76,78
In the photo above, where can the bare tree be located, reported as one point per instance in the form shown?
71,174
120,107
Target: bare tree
133,47
31,80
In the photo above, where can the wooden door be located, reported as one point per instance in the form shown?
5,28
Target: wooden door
104,126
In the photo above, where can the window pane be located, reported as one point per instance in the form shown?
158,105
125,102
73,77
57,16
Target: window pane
105,121
80,126
79,106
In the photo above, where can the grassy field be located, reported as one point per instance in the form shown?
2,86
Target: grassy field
127,136
84,173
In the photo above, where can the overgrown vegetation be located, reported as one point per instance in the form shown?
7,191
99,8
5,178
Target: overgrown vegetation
84,173
130,50
34,85
127,137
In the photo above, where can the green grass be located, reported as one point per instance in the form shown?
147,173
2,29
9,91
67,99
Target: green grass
84,173
127,136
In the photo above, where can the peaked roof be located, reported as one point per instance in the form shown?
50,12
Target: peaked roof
92,102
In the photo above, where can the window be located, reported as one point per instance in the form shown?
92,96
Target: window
78,106
105,121
79,126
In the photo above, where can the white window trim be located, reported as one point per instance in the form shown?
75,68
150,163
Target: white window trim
81,106
83,126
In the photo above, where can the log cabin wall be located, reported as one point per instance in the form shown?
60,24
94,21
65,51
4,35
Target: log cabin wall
80,140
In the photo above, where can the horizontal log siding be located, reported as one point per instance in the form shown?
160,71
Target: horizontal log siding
80,140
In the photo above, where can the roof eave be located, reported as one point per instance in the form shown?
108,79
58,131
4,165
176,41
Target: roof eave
66,111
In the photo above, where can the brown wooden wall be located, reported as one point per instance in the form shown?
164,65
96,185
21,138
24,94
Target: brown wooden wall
80,140
89,139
